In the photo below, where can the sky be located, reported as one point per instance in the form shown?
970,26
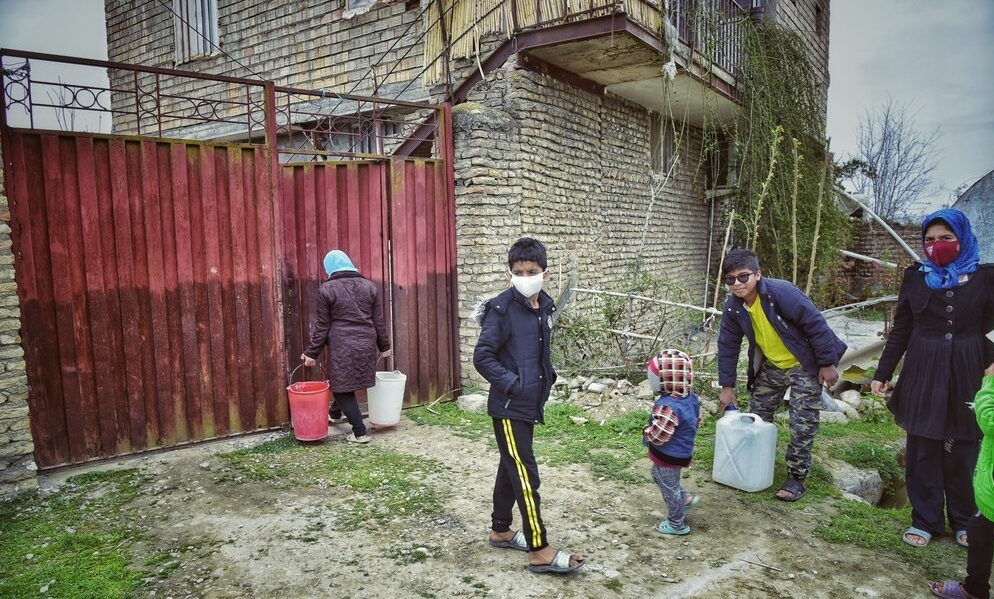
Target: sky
936,58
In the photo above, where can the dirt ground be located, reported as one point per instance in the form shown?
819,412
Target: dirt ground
255,539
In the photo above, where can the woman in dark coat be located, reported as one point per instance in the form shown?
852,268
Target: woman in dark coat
349,321
944,311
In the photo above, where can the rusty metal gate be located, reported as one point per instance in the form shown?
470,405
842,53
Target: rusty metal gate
165,284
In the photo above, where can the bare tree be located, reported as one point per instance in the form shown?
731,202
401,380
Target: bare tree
895,160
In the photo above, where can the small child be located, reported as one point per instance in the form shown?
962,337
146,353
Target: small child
670,433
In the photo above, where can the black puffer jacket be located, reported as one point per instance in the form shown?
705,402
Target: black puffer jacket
513,354
349,320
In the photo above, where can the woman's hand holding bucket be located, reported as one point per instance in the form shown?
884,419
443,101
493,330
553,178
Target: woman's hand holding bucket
308,361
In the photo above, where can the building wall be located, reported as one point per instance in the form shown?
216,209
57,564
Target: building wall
866,280
306,44
537,157
17,467
810,18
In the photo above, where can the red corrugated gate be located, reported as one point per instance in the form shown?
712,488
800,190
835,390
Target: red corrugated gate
395,219
166,285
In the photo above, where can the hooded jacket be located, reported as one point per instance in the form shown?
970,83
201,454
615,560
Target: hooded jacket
983,475
798,322
513,354
349,321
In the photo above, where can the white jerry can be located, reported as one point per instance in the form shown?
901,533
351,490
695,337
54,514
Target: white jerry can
745,447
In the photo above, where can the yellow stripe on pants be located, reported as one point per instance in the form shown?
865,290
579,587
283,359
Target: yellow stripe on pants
526,488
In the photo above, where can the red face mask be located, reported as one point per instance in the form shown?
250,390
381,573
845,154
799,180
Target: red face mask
942,252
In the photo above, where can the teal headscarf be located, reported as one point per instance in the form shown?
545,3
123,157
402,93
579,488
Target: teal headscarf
337,260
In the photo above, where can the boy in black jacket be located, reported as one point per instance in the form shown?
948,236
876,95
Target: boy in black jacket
513,354
790,347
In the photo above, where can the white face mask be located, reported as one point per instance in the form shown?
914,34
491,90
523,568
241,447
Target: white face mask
529,286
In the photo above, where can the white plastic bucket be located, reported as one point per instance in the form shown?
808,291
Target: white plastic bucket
386,398
744,450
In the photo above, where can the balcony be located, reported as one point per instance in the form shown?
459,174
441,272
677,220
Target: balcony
618,46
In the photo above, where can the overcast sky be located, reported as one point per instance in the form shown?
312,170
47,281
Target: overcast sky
937,57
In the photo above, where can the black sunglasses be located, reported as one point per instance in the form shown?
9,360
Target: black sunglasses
742,278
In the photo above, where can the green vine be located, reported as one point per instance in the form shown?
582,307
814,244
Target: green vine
783,116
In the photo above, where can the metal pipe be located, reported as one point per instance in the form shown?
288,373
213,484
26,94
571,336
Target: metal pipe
883,224
867,258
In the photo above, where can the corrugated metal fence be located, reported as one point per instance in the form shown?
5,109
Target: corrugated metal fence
166,285
148,289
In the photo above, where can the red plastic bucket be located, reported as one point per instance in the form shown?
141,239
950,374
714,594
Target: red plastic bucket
309,408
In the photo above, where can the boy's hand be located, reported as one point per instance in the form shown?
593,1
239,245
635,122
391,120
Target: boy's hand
828,375
728,397
879,388
989,371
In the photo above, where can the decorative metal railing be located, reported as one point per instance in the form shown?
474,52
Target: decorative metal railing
456,28
44,91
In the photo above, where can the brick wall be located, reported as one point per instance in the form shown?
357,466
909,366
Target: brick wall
537,157
306,44
809,18
865,279
17,467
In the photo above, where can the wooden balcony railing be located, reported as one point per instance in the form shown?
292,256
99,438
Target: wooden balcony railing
710,28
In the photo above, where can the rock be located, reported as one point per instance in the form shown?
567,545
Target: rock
850,412
625,384
828,403
474,402
852,497
709,406
644,391
576,382
852,397
834,418
850,479
578,420
608,382
596,387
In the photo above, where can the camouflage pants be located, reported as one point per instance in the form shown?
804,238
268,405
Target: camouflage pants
804,410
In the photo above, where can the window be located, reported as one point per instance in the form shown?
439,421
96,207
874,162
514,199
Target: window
661,143
195,27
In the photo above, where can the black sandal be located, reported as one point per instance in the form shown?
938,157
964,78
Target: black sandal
793,486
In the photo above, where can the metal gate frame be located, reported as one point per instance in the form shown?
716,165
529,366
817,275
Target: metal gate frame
147,343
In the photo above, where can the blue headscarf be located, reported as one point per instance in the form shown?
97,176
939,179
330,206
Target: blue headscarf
947,277
336,260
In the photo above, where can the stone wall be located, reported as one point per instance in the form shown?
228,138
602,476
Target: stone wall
17,467
537,157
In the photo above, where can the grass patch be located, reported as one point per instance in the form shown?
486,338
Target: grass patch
610,450
870,456
879,529
72,544
381,484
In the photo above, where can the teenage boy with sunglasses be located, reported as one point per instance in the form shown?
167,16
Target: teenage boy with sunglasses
791,347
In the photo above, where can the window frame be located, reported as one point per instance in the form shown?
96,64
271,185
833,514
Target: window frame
195,30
